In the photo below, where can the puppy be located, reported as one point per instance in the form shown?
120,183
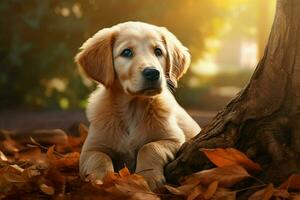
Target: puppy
134,118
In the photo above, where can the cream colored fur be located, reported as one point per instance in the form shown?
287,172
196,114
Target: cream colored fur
128,123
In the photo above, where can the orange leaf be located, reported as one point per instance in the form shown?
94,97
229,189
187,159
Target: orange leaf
196,192
293,183
212,188
224,194
174,190
187,186
284,194
3,157
50,154
30,154
124,172
230,156
110,178
226,176
47,189
70,160
264,194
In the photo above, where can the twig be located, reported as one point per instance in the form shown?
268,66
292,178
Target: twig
249,188
36,144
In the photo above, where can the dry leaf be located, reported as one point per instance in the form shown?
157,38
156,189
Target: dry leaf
57,179
284,194
9,146
3,157
224,194
295,196
226,176
292,183
17,167
212,188
110,178
124,172
14,178
264,194
30,154
186,187
174,190
196,192
47,189
230,156
70,160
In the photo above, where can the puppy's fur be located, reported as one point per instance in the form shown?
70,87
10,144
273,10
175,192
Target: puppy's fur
134,121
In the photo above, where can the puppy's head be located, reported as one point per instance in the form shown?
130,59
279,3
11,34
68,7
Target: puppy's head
140,56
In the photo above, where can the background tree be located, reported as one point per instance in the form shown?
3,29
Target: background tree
263,120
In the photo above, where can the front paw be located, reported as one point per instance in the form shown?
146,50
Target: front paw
155,179
98,175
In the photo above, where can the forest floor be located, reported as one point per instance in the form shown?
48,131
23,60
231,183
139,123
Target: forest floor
39,159
22,120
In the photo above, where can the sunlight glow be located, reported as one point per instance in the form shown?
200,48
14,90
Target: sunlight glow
205,66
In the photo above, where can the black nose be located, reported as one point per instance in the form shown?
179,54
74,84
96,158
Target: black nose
151,74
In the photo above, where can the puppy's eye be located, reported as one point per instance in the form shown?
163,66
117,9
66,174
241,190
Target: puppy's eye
158,52
127,53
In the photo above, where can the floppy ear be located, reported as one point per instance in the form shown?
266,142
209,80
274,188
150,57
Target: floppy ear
96,57
178,56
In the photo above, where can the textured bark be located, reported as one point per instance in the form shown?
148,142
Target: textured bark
263,120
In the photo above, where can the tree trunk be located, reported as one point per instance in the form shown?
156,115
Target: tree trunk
263,120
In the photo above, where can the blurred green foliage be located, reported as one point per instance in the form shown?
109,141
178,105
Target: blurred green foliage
40,38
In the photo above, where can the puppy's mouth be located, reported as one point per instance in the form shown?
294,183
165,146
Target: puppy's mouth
149,91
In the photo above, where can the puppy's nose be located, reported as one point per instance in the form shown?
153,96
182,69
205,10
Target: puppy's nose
151,74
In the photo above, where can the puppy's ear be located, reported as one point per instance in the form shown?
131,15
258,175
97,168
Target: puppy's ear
96,57
178,56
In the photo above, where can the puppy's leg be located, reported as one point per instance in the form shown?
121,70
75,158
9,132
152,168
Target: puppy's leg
152,158
95,163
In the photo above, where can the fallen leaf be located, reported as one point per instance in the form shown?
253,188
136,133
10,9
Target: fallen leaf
230,156
292,183
224,194
57,179
226,176
196,192
32,154
9,146
186,186
212,188
47,189
263,194
295,196
70,160
17,167
30,172
124,172
284,194
14,178
3,157
110,178
174,190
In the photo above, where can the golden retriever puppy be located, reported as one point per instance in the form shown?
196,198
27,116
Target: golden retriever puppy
134,118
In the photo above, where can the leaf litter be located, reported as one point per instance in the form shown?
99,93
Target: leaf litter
38,171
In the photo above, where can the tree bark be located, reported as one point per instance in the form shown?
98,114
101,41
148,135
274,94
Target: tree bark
263,120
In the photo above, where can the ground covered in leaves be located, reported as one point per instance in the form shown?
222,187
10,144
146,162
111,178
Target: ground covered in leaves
36,169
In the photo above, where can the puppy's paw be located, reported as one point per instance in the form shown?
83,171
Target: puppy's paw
155,179
97,176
